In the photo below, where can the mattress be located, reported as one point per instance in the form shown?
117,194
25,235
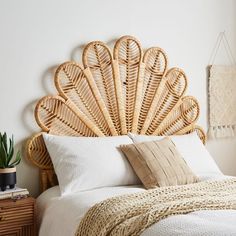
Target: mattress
61,215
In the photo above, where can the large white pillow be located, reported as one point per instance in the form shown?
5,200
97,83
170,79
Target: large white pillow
191,149
83,163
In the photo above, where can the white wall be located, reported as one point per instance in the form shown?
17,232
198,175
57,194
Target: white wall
36,36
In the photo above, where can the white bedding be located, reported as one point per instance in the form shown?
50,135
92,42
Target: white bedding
60,216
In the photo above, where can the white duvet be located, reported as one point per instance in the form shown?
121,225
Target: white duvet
60,216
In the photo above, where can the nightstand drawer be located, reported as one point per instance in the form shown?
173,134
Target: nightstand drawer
21,214
17,218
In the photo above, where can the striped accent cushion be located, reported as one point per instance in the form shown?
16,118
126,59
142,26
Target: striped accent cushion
158,163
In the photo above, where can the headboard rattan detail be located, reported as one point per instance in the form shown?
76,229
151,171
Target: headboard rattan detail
113,95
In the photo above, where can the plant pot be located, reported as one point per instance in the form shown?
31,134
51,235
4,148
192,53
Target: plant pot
7,178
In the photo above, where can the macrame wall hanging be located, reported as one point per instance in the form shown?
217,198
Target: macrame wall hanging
222,93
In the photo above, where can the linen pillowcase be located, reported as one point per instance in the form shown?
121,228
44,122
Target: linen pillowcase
83,163
191,149
158,163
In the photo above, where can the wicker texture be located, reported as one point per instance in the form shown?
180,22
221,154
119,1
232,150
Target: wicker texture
128,53
18,217
98,59
76,87
131,214
155,61
185,114
55,116
170,92
197,129
114,94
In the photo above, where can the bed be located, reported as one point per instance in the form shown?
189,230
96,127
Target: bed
120,152
50,206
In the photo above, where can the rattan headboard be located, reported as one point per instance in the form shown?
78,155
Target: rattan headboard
113,94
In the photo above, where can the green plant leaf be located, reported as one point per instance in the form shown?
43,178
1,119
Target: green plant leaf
3,154
1,163
11,150
6,154
5,141
3,149
16,161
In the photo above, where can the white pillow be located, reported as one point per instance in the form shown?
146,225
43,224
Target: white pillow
83,163
192,150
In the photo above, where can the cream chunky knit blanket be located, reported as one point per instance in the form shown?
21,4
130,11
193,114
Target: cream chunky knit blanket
131,214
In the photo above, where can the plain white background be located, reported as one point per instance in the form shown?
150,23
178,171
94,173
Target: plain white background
36,36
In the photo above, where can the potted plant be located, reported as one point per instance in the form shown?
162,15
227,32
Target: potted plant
7,162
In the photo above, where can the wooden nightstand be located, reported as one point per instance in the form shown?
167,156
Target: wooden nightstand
18,217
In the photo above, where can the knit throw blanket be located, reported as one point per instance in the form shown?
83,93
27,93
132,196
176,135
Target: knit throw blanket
131,214
222,101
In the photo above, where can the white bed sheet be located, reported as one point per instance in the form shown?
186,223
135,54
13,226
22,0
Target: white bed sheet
60,216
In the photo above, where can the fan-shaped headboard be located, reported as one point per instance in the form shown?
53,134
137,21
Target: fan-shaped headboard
113,94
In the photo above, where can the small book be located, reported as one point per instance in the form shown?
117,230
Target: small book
11,193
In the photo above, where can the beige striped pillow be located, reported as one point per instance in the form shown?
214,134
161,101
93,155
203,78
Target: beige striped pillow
158,163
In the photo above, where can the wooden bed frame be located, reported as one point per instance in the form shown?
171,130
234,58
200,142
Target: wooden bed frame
113,94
